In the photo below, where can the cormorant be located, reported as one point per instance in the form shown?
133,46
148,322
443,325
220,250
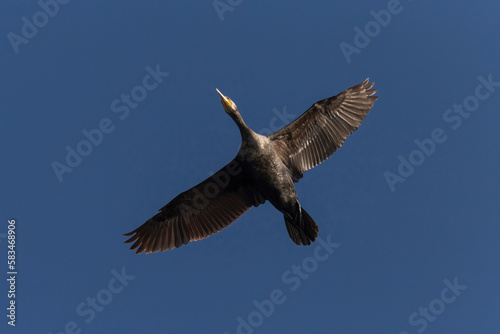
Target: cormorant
265,168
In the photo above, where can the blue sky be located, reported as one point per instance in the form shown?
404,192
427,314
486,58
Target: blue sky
407,209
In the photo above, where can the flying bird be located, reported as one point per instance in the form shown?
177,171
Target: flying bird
265,169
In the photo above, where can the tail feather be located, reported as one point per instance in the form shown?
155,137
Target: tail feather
301,232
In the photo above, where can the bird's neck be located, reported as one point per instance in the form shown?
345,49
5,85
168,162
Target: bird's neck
245,131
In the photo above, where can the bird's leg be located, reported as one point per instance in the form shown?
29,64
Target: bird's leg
296,217
301,222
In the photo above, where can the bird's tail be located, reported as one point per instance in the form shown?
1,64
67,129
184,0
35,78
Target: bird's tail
301,228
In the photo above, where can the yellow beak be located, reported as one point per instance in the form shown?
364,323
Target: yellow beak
225,100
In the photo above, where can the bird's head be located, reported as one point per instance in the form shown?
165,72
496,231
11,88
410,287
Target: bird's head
228,104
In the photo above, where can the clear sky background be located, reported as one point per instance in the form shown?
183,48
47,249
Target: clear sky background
397,248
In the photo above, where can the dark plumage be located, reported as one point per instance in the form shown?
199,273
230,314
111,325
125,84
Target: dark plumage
265,168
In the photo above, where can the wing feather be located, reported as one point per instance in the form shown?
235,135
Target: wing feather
193,215
323,128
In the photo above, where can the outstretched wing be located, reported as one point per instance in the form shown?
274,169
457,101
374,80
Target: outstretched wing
323,128
198,212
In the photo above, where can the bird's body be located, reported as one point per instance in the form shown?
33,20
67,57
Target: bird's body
272,178
265,169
